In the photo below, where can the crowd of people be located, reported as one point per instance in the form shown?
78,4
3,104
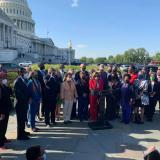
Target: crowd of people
40,94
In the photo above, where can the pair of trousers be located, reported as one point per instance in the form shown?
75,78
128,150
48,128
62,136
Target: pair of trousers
3,129
67,109
21,111
126,113
74,111
50,111
33,110
111,108
150,109
83,108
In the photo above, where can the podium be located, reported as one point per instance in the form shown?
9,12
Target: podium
101,123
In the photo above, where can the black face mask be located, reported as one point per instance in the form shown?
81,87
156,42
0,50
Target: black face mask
42,68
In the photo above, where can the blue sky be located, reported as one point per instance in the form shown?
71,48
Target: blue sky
99,27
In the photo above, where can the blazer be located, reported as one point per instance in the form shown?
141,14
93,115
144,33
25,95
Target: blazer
52,90
155,89
5,99
93,86
68,92
21,91
82,88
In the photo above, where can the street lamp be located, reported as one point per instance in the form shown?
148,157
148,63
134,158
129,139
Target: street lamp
70,51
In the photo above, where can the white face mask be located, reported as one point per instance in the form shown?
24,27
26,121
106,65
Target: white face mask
26,75
5,82
44,156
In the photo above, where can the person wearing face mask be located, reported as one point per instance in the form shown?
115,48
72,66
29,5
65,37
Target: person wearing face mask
36,153
95,84
5,108
68,95
82,69
34,89
142,98
22,101
153,90
126,99
51,94
83,97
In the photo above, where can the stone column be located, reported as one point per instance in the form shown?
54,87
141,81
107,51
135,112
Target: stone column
36,47
3,32
0,32
7,38
20,25
11,37
4,36
27,26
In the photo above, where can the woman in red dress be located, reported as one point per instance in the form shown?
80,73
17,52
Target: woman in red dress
95,84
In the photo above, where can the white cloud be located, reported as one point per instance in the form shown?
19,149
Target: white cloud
75,3
81,46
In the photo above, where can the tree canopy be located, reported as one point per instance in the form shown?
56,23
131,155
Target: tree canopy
140,55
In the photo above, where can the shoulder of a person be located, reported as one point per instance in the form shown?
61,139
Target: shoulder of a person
18,80
77,73
30,81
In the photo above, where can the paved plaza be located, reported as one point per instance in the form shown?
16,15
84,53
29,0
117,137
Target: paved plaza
77,142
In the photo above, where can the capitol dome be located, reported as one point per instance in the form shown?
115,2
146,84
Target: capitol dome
20,13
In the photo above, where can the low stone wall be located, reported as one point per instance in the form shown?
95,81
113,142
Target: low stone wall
8,55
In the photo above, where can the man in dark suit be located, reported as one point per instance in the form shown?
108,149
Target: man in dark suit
77,78
153,94
22,97
51,93
82,69
5,107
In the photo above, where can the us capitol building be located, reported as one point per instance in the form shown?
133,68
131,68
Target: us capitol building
18,39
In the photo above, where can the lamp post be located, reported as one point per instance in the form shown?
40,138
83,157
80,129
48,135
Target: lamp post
70,52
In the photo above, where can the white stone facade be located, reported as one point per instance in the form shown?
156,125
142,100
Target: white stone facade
17,35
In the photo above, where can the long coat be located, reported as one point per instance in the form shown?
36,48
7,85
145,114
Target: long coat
68,92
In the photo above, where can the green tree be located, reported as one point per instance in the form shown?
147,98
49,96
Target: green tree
100,60
142,55
157,56
83,59
130,56
111,59
119,58
90,60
